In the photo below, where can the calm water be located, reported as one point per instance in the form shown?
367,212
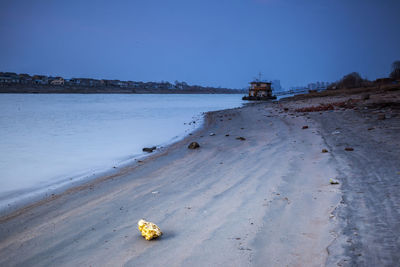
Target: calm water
47,140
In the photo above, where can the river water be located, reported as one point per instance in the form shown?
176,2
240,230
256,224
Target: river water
49,140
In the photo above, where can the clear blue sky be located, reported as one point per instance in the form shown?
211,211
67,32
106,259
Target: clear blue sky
207,42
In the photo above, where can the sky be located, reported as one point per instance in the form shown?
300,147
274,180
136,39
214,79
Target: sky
206,42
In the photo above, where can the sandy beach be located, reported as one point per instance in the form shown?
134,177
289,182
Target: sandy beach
262,201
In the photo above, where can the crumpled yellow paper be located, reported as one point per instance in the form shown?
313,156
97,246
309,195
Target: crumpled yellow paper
149,230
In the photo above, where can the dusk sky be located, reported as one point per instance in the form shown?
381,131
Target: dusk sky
207,42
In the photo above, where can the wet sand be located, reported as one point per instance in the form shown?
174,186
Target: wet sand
262,201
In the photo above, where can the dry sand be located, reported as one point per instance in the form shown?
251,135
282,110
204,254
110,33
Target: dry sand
264,201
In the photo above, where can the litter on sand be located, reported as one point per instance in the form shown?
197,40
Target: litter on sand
149,230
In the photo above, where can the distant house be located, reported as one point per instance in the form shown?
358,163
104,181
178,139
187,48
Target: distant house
85,82
135,84
58,81
123,84
25,78
116,83
5,79
9,77
40,79
74,81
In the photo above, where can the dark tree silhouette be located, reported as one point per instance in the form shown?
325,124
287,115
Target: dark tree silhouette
395,74
351,80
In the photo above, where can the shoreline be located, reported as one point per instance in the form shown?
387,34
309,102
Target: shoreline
69,183
18,196
262,200
77,196
88,180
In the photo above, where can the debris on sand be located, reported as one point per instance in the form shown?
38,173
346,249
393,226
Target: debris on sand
227,135
349,149
240,138
286,199
349,104
193,145
333,181
149,230
149,149
365,96
212,134
305,127
324,150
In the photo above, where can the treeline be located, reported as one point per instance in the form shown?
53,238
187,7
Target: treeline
354,79
11,82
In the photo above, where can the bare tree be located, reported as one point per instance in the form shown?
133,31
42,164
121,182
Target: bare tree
395,74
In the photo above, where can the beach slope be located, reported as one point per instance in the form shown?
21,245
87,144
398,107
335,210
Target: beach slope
264,199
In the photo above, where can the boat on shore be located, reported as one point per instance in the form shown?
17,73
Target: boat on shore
259,91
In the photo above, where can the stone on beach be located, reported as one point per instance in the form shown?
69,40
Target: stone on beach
349,149
365,96
149,230
305,127
193,145
240,138
324,150
332,181
149,149
381,116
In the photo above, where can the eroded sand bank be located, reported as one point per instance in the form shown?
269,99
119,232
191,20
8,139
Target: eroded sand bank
264,201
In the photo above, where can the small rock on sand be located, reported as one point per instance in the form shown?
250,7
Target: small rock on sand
305,127
365,96
324,150
227,135
149,149
333,181
381,116
349,149
240,138
212,134
193,145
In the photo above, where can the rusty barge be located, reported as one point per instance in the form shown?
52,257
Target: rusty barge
260,91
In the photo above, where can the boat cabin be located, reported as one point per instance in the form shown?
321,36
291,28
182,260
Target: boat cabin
260,89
